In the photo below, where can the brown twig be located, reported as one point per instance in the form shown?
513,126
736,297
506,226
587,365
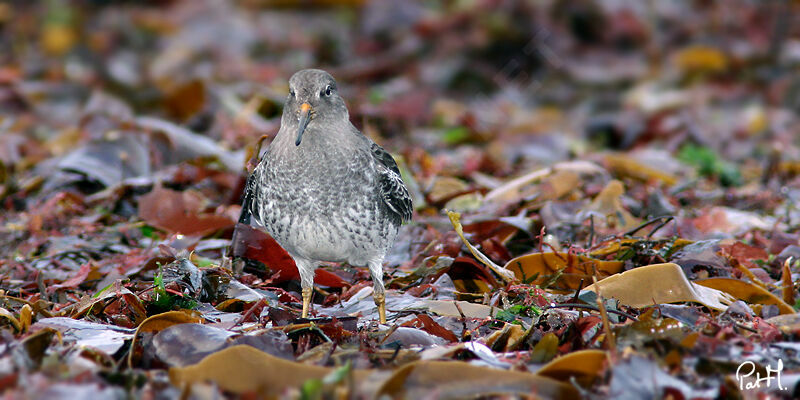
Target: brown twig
611,344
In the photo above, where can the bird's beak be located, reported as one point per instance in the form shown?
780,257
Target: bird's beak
305,118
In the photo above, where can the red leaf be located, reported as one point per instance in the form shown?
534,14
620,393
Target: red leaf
743,253
76,280
180,212
427,324
254,244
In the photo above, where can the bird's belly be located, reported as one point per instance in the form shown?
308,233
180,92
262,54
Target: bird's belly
321,238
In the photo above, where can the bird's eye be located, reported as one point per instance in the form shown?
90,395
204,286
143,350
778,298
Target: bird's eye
328,90
291,92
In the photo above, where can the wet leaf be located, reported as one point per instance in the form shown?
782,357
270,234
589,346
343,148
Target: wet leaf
188,343
584,365
445,188
658,283
746,291
455,308
430,269
109,161
32,349
242,369
470,277
787,291
10,317
701,59
186,100
639,377
511,313
409,337
561,271
427,324
158,323
608,204
180,212
58,38
787,323
186,145
627,166
114,302
25,317
74,281
513,189
457,380
507,339
106,338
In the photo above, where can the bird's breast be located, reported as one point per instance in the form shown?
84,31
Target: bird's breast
324,210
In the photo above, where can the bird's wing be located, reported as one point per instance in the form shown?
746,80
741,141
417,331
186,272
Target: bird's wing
394,191
248,199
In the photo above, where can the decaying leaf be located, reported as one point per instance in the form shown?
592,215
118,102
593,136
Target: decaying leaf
180,212
746,291
507,339
160,322
110,160
787,323
608,205
186,100
562,271
513,189
446,188
104,338
9,316
701,59
546,349
244,369
626,166
25,317
787,289
659,283
458,380
584,365
455,308
470,277
427,324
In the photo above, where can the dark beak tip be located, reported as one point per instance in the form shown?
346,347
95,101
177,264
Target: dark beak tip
305,118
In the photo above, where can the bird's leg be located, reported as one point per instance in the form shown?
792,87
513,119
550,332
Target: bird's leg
306,269
380,301
379,292
307,292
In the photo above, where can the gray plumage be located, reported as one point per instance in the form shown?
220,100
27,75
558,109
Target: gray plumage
325,191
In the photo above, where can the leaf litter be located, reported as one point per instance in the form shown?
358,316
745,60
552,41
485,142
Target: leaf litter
606,201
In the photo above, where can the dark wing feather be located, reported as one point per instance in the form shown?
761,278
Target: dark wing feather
248,199
393,190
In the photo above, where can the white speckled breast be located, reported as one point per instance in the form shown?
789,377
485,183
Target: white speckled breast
322,200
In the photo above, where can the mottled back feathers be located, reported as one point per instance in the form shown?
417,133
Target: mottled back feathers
394,192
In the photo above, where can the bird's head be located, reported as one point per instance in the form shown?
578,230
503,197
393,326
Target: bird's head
313,97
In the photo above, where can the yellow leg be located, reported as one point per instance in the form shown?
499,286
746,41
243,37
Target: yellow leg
306,300
380,301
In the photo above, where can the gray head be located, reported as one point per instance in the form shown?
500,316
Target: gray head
313,99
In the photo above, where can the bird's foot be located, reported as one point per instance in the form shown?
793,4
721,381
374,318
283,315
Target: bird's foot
380,301
306,292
